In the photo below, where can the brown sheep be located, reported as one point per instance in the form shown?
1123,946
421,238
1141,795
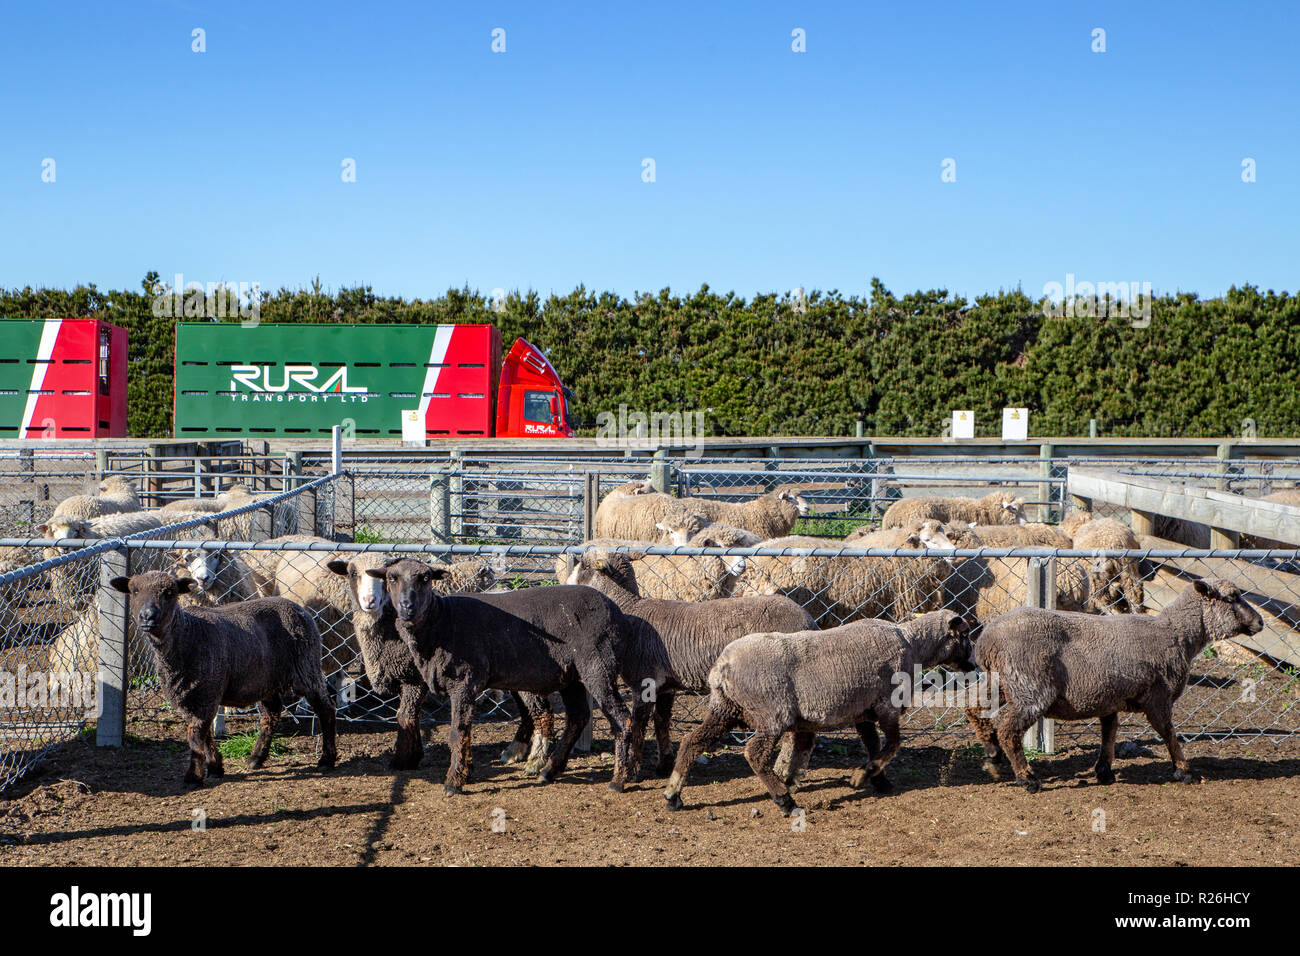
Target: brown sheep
1081,666
813,681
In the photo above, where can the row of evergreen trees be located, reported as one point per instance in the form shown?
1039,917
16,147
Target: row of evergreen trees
775,365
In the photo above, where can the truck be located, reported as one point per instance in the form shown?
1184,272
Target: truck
62,378
374,381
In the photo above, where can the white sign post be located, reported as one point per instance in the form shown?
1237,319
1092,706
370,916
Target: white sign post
1015,424
412,427
963,424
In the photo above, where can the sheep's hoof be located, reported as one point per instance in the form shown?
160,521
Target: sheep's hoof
785,803
992,769
216,770
515,753
543,776
325,763
451,791
254,763
1187,776
881,784
675,801
1105,776
615,786
1031,784
859,779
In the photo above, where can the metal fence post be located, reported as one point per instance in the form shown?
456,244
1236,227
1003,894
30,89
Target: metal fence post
1040,591
113,651
440,507
456,495
1045,453
101,463
590,502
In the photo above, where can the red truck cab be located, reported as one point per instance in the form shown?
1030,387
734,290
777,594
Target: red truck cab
530,399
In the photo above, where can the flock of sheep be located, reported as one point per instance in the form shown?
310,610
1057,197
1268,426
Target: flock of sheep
788,646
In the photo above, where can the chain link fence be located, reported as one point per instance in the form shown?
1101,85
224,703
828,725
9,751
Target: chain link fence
512,524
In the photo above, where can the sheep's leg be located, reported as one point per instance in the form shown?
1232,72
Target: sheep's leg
799,747
577,714
409,749
211,755
1160,715
270,710
195,736
543,737
463,696
641,712
988,738
322,705
1133,591
603,688
1109,728
663,736
718,719
874,768
518,748
1012,725
760,752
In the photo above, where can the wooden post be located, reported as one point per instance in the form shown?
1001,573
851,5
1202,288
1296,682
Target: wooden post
262,525
101,463
113,651
1223,453
659,469
1142,522
590,502
1081,503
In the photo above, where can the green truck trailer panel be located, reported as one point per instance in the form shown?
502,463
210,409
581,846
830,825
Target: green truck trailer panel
289,379
22,342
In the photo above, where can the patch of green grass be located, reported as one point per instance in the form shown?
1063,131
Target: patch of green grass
824,527
238,746
368,535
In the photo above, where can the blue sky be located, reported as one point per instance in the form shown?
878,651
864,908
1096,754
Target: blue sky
774,169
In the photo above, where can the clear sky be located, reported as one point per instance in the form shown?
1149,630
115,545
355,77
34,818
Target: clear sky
773,169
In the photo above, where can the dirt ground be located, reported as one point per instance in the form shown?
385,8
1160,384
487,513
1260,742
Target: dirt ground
90,806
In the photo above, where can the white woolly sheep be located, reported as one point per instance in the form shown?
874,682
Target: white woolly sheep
113,495
1115,584
635,517
997,507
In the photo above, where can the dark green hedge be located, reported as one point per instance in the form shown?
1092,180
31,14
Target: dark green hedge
761,367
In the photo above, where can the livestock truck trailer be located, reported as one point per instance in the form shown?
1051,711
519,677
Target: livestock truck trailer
62,378
379,381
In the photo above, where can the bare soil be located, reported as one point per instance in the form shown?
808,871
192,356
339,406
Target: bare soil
90,806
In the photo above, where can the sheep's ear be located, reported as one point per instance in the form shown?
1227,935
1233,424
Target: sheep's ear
337,566
438,573
377,573
184,585
914,540
120,584
709,543
1203,587
43,528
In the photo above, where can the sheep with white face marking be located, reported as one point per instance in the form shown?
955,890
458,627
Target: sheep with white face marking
997,507
676,577
392,672
675,643
1082,666
220,576
687,527
837,589
636,517
113,495
813,681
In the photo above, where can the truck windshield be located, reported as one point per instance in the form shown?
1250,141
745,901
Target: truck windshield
537,406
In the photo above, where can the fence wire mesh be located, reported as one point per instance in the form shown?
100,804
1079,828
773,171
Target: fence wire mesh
519,524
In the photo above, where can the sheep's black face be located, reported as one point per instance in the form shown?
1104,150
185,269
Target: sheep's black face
960,652
153,600
410,588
